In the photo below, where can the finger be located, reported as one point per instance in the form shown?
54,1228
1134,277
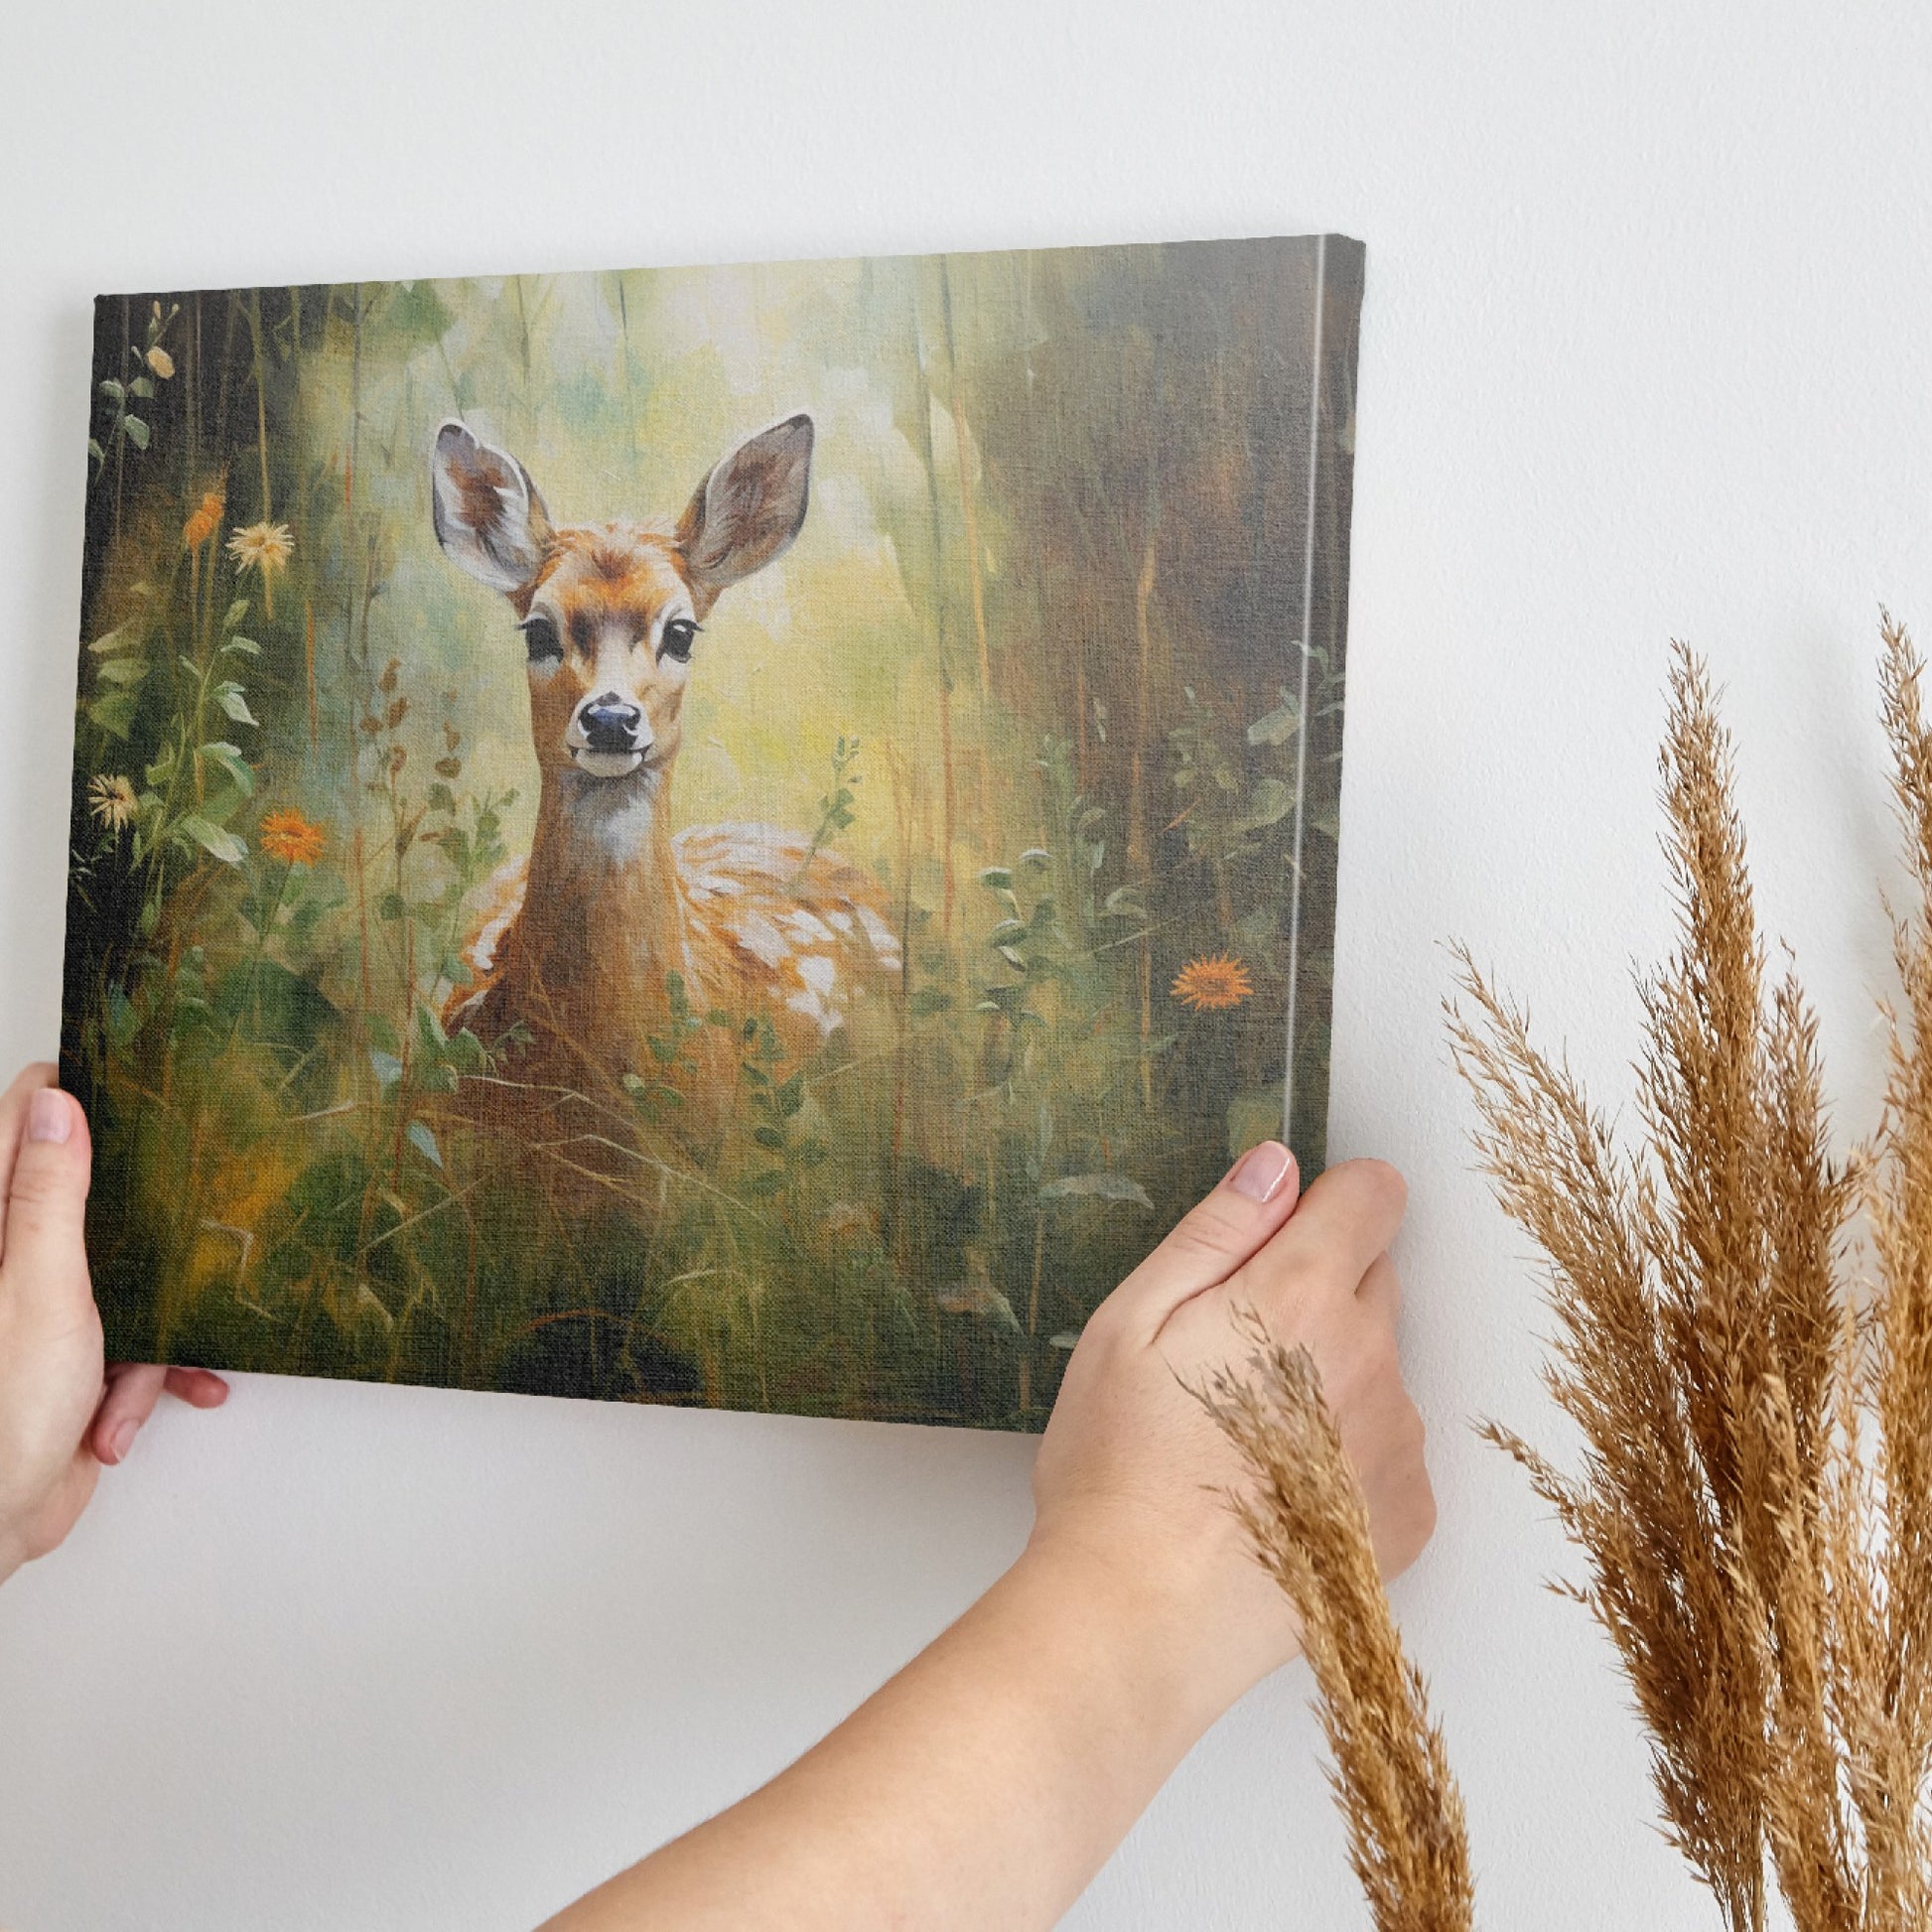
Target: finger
199,1388
1348,1216
132,1391
43,1264
13,1126
1251,1201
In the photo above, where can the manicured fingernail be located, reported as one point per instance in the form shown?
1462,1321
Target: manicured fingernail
1261,1170
49,1116
122,1439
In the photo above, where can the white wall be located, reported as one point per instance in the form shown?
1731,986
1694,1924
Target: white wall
1644,353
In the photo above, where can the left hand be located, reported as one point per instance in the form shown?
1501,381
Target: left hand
63,1411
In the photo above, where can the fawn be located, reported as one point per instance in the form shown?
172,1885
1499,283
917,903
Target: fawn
587,940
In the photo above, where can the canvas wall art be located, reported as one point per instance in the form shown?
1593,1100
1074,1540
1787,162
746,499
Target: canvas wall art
740,836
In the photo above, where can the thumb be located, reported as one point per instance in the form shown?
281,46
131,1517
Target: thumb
45,1255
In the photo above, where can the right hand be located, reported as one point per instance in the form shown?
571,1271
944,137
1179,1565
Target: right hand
1132,1473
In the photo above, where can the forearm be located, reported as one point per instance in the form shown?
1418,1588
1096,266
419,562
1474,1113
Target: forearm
984,1785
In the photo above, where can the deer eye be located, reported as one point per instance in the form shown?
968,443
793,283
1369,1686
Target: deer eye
541,639
679,635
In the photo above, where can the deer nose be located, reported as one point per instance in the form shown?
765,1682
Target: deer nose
610,723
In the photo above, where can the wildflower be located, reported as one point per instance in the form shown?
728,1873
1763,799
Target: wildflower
207,520
262,547
287,836
112,803
1212,983
161,363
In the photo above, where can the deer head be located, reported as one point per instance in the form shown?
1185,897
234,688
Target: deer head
609,615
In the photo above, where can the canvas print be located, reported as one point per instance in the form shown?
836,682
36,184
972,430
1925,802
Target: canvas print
741,836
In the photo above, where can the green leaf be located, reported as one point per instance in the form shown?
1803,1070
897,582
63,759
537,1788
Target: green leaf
114,392
235,614
140,386
243,646
466,1051
1097,1186
790,1095
228,757
386,1068
97,452
1267,804
770,1137
235,704
118,639
996,879
651,1093
429,1030
1037,856
441,798
135,430
123,670
1277,726
416,310
123,1018
766,1182
381,1033
213,839
927,1000
424,1142
113,712
391,905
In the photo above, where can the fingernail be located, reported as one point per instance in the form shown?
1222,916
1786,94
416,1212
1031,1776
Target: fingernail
122,1439
1261,1170
49,1116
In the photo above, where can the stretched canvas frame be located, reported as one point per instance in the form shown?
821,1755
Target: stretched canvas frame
740,836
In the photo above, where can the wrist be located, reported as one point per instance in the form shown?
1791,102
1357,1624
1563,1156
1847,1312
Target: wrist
1167,1643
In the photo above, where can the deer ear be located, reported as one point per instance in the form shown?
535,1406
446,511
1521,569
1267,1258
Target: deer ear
488,515
749,510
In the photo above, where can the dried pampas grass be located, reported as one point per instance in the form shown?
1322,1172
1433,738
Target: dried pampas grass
1754,1390
1308,1524
1754,1498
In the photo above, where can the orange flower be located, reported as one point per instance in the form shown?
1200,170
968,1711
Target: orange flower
1212,983
287,836
207,520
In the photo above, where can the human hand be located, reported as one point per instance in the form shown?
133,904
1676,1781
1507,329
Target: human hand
1131,1473
63,1413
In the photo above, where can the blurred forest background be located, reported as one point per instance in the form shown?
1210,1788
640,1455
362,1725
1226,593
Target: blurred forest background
1057,658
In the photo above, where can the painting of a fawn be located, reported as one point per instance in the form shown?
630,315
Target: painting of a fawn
782,916
615,918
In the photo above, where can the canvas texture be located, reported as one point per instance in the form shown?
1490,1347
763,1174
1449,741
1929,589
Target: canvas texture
746,837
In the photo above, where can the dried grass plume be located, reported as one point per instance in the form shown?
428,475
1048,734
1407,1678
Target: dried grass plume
1308,1524
1754,1498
